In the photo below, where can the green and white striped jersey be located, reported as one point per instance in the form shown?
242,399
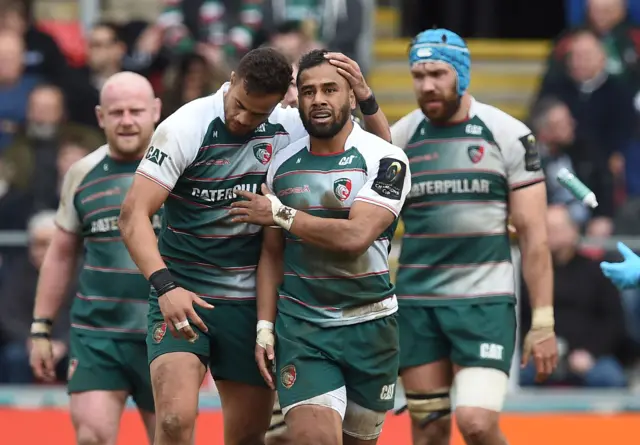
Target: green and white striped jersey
201,164
456,248
112,296
322,286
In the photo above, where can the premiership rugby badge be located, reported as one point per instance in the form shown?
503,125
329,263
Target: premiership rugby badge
159,329
288,376
263,152
476,152
342,188
73,364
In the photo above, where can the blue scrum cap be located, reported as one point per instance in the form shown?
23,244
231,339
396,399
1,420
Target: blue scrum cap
442,45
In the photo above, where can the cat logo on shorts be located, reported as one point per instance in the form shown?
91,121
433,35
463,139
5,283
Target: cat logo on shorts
342,188
263,152
73,364
288,376
159,329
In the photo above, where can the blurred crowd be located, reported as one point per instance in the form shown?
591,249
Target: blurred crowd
586,116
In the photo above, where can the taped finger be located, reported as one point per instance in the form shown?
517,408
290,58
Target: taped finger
182,324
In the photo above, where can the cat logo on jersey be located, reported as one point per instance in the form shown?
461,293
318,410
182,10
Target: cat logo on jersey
288,376
159,329
342,188
476,152
73,365
263,152
156,156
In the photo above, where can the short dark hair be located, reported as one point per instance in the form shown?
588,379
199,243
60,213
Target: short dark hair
265,71
310,60
116,30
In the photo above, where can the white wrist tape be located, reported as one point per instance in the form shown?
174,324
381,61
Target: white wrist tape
264,324
282,215
542,317
40,328
265,334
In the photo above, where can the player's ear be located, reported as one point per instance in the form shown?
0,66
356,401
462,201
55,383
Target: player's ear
157,108
100,116
352,100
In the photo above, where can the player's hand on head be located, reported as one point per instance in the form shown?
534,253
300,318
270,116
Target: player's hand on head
41,359
625,275
253,208
540,345
350,70
177,307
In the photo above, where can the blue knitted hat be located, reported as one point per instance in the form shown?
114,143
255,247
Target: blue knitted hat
442,45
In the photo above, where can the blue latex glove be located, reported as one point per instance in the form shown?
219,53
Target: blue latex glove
624,275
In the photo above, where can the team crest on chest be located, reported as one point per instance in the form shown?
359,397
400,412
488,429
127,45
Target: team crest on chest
342,188
263,152
476,153
288,376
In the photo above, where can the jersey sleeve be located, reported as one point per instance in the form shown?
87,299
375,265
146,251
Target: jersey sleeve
173,147
522,159
389,179
67,217
403,130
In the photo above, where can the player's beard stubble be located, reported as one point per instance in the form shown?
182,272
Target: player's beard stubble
439,107
329,129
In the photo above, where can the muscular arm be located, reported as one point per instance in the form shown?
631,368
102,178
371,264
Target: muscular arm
56,274
143,200
351,236
528,208
270,273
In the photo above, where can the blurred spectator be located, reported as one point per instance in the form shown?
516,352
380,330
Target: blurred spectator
555,130
219,30
30,160
602,105
583,299
192,78
15,86
289,39
105,54
338,24
43,57
17,296
610,20
576,11
145,52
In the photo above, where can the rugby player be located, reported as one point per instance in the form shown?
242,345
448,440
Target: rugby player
107,359
337,194
198,158
473,165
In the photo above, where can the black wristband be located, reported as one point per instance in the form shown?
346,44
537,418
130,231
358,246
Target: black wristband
162,281
40,335
46,321
369,106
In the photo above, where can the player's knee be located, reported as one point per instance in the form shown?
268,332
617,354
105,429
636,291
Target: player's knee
362,423
91,435
175,427
477,425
